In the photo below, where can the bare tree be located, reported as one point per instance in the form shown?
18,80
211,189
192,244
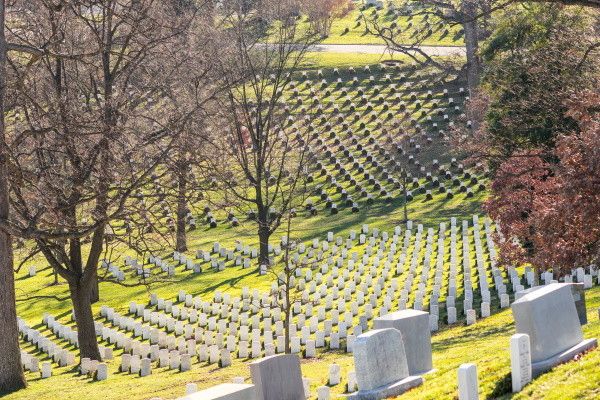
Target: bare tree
11,372
322,13
472,15
286,296
200,93
259,156
285,272
467,14
93,119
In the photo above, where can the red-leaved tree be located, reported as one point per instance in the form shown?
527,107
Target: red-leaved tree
548,202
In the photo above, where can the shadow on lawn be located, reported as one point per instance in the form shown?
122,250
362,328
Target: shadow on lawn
473,336
230,283
502,389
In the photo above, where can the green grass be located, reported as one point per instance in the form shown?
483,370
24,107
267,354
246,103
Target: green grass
331,60
429,213
351,30
486,344
35,294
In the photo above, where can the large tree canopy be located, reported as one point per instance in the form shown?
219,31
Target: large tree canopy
550,211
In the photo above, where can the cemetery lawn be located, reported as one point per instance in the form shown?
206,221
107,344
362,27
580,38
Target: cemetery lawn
37,295
351,30
329,60
486,344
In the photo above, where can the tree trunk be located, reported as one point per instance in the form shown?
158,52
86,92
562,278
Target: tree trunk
11,372
405,192
84,318
405,203
181,239
263,237
469,11
286,327
95,289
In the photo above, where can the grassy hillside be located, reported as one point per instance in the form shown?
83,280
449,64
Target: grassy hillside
421,96
351,28
417,106
486,344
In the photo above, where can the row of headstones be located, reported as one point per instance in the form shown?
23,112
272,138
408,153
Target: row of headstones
141,332
182,295
140,270
351,266
136,268
221,327
369,140
59,355
97,370
343,117
349,112
415,90
189,219
358,118
358,114
166,351
450,293
32,364
388,196
374,101
348,109
181,259
384,236
45,345
390,359
380,188
160,339
403,78
334,207
241,255
532,279
114,270
414,82
379,167
355,131
383,366
395,182
378,185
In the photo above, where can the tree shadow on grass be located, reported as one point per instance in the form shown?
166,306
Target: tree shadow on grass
503,387
473,336
230,283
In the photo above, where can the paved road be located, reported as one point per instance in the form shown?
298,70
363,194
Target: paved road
380,49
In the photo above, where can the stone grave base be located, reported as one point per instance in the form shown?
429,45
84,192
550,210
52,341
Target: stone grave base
431,371
225,391
387,391
540,367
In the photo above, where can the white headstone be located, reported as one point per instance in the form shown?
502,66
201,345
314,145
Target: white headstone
520,361
468,387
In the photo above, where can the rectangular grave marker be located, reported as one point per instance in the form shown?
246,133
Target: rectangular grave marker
520,361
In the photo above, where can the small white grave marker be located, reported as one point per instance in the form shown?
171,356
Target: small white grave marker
468,387
520,361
